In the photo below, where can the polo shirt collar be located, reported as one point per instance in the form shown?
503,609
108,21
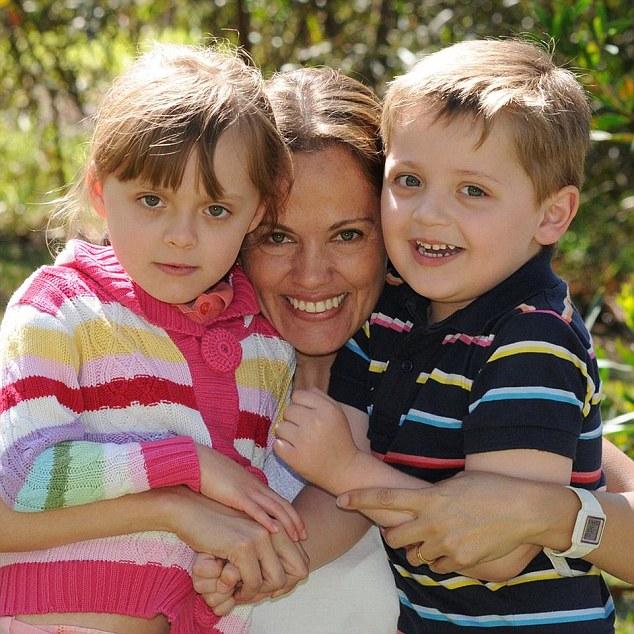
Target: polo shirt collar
529,279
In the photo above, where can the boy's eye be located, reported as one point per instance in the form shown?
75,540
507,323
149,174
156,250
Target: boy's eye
217,211
347,235
151,200
408,180
474,191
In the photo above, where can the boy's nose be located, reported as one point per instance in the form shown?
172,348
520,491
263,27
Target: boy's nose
430,210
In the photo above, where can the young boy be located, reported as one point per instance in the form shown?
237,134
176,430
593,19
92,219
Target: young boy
479,361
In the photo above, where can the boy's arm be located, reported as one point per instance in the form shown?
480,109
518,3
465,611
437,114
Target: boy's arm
327,444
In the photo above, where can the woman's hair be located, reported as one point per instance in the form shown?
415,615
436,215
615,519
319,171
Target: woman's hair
176,99
487,79
317,108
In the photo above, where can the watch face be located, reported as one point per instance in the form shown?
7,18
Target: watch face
592,530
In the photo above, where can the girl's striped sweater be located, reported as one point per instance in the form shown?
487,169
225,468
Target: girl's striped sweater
105,391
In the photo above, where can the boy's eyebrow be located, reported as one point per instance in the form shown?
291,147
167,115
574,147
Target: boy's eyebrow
476,174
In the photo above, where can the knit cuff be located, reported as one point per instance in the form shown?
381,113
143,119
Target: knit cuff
172,462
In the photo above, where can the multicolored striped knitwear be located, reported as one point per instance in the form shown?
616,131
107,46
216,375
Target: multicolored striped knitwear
514,369
106,391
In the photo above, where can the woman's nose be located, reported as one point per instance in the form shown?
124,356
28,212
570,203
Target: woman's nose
312,267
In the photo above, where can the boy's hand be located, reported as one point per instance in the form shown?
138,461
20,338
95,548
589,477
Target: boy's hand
315,439
225,481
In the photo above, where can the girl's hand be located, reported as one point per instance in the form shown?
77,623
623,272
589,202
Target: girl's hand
315,439
225,481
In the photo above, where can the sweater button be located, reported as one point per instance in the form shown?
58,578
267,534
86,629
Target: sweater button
407,365
221,350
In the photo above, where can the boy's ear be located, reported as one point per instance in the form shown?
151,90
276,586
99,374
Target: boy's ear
257,219
95,191
558,211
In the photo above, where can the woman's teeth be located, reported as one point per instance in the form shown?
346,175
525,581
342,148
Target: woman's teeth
316,307
436,250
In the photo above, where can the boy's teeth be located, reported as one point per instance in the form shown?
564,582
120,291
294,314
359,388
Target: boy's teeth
316,307
436,250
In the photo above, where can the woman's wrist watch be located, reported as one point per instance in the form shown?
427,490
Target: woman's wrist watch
586,535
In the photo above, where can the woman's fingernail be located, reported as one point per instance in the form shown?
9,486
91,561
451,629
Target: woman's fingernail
343,500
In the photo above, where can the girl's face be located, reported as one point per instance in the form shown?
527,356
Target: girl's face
176,244
319,271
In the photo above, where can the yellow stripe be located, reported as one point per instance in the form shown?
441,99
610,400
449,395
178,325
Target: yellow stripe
252,372
439,376
378,366
366,329
96,339
457,582
541,347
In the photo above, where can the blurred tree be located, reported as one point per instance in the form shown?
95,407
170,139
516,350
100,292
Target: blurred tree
57,57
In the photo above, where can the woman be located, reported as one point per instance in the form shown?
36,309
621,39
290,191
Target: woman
315,258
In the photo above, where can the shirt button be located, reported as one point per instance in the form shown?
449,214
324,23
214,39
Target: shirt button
407,365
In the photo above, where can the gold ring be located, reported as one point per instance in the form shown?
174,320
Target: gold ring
419,556
274,428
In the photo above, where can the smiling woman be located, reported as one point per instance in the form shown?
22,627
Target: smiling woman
318,272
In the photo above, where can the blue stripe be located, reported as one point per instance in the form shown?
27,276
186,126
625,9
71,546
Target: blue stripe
597,432
425,418
352,345
527,393
512,620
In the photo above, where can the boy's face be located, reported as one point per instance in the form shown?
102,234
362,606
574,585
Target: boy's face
457,220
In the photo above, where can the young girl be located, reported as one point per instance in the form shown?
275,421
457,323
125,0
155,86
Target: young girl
122,365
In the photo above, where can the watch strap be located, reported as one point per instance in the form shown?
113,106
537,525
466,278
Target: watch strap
586,534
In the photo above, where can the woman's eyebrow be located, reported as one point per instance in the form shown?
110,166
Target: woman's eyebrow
354,220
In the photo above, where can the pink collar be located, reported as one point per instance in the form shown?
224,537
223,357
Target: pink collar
209,305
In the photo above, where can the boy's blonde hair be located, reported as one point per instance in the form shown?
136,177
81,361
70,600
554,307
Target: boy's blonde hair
485,79
317,108
176,99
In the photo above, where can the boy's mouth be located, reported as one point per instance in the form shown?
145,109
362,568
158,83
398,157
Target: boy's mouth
436,250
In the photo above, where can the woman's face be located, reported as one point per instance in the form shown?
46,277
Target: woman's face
319,271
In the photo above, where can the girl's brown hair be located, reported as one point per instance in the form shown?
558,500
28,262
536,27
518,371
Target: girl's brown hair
176,99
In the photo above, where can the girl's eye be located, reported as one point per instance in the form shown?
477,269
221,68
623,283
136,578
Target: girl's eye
217,211
408,180
347,235
278,237
473,191
151,200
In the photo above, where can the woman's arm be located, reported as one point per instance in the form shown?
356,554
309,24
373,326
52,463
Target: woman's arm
204,525
479,517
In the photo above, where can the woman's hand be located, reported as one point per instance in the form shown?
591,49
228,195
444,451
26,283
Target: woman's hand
220,583
209,527
225,481
466,520
315,439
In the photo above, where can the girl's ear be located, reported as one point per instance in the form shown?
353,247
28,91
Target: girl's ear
95,191
558,211
257,219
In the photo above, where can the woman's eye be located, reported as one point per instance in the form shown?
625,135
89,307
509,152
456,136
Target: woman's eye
152,201
347,235
278,237
217,211
473,191
408,180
